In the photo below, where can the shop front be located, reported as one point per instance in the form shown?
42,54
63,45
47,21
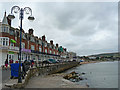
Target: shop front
26,54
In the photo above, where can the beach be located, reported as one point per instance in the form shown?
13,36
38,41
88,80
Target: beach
52,81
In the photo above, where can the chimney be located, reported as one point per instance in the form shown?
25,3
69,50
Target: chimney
39,38
56,45
51,42
30,31
65,49
43,37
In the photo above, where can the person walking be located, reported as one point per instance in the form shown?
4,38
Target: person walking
6,64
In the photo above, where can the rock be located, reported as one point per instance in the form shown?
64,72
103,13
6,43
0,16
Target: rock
80,78
85,78
73,72
87,85
73,80
83,73
68,76
77,79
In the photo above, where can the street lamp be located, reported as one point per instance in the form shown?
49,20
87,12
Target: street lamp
21,11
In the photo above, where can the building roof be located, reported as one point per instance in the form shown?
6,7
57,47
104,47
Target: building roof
5,21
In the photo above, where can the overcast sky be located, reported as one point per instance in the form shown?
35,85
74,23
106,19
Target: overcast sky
82,27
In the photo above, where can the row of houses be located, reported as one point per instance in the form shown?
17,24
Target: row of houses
33,47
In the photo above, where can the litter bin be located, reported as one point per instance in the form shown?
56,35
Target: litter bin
15,70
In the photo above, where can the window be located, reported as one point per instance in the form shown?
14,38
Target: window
50,52
12,44
50,46
5,29
4,41
23,36
33,57
45,44
32,47
17,33
11,56
11,32
53,47
23,45
40,49
45,50
39,57
32,39
56,48
23,56
40,42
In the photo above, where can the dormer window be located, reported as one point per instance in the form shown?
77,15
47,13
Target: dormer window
40,42
32,39
45,44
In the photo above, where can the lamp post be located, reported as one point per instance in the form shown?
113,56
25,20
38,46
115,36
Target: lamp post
21,11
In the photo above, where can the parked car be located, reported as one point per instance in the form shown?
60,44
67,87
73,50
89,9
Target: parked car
47,62
81,60
52,60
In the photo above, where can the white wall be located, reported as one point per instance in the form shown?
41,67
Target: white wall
4,57
0,57
15,57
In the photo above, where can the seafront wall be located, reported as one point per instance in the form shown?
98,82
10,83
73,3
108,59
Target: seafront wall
46,70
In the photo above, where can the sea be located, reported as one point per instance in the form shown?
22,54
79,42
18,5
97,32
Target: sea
98,75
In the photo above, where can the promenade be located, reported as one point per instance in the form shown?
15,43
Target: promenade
52,81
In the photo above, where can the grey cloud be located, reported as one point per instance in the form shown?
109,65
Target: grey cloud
76,26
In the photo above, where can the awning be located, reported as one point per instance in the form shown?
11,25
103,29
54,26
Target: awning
10,52
13,41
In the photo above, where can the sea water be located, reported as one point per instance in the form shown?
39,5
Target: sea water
98,75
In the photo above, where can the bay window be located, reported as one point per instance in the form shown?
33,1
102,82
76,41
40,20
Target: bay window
40,50
5,29
23,45
4,41
32,47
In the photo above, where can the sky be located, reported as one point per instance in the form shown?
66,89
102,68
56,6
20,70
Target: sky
83,27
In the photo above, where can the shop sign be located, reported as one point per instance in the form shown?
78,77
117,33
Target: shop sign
13,48
26,50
